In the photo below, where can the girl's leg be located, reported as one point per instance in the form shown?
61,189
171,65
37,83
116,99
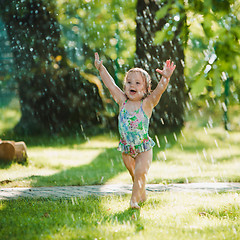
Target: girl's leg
142,165
129,163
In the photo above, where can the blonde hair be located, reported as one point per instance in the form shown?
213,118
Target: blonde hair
145,76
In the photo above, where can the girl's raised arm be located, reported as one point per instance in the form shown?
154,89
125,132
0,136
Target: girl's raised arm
116,92
166,73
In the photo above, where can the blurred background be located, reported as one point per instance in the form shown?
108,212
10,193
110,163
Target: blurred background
48,82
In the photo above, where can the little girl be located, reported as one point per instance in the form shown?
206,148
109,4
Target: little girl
136,104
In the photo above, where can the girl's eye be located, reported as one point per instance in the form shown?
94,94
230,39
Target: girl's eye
137,83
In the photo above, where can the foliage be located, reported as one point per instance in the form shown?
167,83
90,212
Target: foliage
80,27
53,95
212,43
105,26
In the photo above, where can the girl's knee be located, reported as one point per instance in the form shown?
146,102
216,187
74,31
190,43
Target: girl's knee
141,173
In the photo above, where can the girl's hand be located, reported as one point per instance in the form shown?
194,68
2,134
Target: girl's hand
167,70
97,62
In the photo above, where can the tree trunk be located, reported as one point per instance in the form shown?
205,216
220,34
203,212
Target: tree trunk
53,96
169,113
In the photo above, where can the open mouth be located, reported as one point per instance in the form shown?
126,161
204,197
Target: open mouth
133,91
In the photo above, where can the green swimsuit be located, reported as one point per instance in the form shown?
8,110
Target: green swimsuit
133,129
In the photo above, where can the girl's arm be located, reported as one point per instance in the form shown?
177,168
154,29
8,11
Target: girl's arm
153,99
116,92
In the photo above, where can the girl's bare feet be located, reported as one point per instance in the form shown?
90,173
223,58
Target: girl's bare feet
134,205
143,197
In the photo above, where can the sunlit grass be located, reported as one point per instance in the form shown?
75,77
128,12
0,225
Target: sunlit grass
199,153
163,216
74,164
9,115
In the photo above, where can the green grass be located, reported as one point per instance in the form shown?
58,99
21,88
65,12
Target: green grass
200,153
197,156
163,216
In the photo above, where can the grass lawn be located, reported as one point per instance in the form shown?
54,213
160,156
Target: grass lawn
198,153
164,216
202,152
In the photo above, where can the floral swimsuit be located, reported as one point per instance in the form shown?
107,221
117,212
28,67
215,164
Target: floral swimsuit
133,129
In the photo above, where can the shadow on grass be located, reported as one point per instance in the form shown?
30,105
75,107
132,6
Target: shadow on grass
65,138
105,166
86,212
55,140
58,141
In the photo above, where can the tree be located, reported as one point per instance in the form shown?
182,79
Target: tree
53,95
152,17
212,50
107,27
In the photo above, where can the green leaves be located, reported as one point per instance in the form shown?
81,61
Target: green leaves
213,31
100,24
161,13
217,82
165,35
198,85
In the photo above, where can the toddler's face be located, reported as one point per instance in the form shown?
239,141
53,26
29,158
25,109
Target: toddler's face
135,86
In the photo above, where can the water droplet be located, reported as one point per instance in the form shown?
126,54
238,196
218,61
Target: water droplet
175,136
164,156
176,18
204,153
207,69
210,122
82,179
212,159
224,76
205,130
224,107
212,58
190,96
139,183
183,135
207,103
157,140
